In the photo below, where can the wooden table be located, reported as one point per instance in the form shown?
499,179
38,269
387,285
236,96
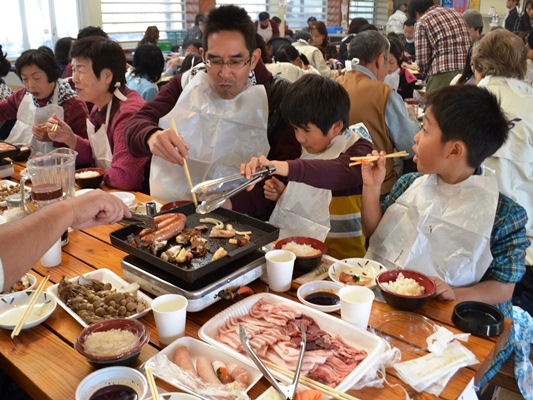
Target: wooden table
43,361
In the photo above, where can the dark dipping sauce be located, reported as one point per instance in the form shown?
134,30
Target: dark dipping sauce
323,298
115,392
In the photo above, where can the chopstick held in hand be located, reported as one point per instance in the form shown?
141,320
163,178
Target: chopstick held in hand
369,159
185,167
31,304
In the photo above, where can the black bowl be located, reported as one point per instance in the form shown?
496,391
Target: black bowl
92,182
303,263
401,301
125,358
25,153
478,318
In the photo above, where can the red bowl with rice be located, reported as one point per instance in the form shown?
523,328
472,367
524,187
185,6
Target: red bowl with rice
405,289
308,251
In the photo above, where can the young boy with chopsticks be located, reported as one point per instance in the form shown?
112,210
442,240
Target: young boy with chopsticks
321,180
449,221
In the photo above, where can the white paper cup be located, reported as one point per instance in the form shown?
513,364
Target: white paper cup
356,304
52,258
280,265
170,314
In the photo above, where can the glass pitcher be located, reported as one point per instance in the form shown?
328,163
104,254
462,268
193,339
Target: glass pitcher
56,167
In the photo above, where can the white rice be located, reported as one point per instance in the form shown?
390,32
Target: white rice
301,250
405,286
86,174
109,343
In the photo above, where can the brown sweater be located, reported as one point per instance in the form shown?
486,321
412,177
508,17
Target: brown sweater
368,103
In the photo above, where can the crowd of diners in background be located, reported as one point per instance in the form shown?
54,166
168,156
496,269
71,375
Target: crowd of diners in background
118,116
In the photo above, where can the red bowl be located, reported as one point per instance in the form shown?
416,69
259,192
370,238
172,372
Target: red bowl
305,263
401,301
174,204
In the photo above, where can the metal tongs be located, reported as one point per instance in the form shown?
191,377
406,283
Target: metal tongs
146,221
287,392
215,192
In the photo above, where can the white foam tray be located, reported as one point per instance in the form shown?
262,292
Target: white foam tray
104,275
351,335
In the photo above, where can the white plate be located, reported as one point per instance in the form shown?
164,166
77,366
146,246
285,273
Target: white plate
103,275
198,348
112,376
361,266
128,198
82,191
351,335
32,282
13,306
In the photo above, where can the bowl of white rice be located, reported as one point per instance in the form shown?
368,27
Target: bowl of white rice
112,342
89,177
405,289
308,251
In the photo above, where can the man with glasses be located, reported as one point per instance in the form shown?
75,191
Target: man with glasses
375,103
226,113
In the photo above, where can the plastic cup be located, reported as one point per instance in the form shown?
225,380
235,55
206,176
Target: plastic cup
52,258
356,304
170,313
280,265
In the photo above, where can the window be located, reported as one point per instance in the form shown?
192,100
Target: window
126,20
28,24
296,13
376,12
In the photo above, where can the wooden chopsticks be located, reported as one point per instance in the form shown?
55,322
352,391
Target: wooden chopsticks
311,383
54,128
185,167
151,384
369,159
31,304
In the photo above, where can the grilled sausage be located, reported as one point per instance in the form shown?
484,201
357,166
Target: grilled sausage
160,222
167,231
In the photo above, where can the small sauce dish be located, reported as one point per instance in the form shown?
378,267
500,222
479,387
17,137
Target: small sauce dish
320,295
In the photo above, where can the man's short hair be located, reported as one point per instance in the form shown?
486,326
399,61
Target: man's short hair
472,115
263,16
473,19
104,53
500,53
367,46
91,31
42,58
326,102
230,18
303,34
419,6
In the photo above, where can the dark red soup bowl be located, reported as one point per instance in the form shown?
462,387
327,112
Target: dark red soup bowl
305,263
403,301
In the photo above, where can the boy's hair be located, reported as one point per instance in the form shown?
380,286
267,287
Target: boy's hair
472,115
287,53
356,24
367,46
104,53
230,18
317,100
396,47
419,6
91,31
148,59
303,34
409,22
42,58
500,53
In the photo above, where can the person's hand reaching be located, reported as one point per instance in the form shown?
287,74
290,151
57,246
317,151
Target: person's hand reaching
273,188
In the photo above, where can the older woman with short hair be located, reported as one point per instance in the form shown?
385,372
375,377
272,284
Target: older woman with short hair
499,63
99,73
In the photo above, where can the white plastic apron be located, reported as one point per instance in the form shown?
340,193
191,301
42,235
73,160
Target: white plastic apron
221,134
28,115
303,209
99,140
439,229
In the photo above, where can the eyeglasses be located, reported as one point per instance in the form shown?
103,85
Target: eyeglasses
232,64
